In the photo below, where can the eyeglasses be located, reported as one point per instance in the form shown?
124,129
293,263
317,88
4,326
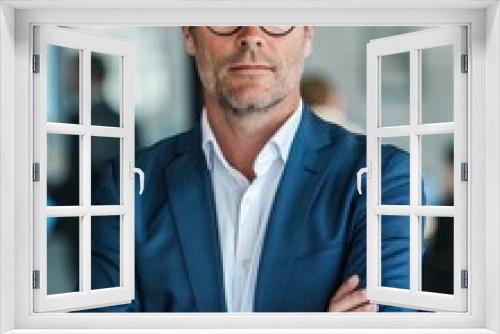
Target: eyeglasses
277,31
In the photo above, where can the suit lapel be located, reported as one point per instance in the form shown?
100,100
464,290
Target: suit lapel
190,193
303,174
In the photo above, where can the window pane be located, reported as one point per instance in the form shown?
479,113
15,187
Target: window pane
105,231
395,89
395,243
63,84
106,89
437,169
63,169
437,84
395,177
62,254
437,259
103,150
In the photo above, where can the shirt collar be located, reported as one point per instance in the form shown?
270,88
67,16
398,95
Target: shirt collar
282,139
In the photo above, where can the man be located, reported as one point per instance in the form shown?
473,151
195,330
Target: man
256,208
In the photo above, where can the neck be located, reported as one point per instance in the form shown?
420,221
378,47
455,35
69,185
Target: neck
241,137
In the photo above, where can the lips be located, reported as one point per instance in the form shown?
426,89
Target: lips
251,67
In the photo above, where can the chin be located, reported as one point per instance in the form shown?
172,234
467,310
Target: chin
258,98
257,103
252,96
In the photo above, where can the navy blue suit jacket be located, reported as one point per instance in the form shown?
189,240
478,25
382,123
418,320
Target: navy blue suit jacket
315,239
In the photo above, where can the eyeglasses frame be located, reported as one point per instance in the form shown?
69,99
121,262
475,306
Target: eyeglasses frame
267,32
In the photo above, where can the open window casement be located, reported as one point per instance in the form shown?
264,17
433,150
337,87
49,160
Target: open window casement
416,126
62,61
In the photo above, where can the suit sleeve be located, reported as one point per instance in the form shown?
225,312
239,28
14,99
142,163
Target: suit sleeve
105,235
395,229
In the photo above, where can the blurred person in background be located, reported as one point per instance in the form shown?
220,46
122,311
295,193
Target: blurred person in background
62,236
102,114
437,262
327,101
255,208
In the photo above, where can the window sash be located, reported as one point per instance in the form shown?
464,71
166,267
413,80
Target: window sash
85,298
413,43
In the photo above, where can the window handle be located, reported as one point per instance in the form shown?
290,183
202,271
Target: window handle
135,170
359,175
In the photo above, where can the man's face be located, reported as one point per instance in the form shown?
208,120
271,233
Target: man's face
249,71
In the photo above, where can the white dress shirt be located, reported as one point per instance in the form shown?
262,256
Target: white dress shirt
243,208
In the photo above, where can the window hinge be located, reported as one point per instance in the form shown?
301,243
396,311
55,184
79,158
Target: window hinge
465,279
36,63
464,171
36,172
465,64
36,279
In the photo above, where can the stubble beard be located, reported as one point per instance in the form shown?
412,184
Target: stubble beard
230,101
231,104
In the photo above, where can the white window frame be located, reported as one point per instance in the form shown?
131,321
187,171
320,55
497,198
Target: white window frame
85,44
413,44
16,20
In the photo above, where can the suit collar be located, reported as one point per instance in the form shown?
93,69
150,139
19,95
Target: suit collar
305,171
190,193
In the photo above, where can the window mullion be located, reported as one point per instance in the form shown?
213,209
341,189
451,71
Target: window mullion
85,163
420,210
435,128
414,171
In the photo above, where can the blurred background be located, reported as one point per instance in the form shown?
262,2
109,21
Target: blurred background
168,101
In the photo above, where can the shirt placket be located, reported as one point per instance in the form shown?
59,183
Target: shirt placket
247,220
249,227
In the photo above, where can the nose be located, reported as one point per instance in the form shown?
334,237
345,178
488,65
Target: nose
250,37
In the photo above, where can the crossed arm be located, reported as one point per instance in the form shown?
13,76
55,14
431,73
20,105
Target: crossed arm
350,299
395,239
